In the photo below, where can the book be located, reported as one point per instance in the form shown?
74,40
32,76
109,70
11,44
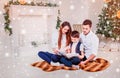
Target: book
61,53
68,55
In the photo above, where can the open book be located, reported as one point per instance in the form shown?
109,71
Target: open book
68,55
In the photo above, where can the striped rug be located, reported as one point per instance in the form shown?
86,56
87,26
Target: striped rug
93,66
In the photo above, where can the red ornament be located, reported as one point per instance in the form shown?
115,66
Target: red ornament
118,14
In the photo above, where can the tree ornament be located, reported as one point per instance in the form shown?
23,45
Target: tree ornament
118,13
22,2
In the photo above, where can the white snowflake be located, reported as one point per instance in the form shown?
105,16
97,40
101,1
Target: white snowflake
108,22
54,0
18,18
67,76
103,35
18,10
14,66
26,64
96,75
116,58
13,19
93,1
96,13
16,54
6,47
12,41
29,2
7,54
23,31
0,12
117,70
90,77
24,8
8,67
82,7
31,10
10,26
110,32
2,24
28,74
111,61
72,7
0,42
105,5
113,39
60,2
118,39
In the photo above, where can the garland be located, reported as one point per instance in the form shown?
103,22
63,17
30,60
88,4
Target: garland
58,20
7,6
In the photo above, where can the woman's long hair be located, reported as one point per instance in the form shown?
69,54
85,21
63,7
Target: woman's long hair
68,38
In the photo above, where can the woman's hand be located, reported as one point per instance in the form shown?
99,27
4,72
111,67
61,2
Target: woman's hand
55,50
67,50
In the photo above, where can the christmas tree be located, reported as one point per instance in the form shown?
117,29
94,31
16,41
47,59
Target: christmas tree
109,20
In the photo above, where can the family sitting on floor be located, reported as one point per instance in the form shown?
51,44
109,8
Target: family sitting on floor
70,48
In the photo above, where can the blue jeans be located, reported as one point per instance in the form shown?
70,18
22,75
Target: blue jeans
56,58
45,56
70,61
49,57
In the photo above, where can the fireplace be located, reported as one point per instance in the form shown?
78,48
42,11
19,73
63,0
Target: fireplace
32,28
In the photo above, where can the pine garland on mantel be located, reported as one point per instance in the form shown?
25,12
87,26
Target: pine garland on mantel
18,2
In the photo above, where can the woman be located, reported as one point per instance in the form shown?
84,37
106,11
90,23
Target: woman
63,40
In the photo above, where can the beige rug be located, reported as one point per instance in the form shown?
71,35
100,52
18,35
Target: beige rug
97,65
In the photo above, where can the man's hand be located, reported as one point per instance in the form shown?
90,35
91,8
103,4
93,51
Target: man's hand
82,62
80,56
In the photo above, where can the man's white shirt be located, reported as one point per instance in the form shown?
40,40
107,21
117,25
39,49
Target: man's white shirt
90,43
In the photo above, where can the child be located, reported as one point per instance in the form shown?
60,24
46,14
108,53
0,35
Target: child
75,52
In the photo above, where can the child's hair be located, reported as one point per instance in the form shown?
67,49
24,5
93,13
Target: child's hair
75,34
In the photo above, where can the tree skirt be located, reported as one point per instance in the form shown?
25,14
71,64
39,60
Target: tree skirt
92,66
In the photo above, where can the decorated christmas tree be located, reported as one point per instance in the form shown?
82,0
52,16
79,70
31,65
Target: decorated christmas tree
109,20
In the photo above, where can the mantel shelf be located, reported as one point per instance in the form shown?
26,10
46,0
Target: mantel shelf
22,10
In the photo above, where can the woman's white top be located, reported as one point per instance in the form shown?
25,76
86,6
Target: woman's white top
55,36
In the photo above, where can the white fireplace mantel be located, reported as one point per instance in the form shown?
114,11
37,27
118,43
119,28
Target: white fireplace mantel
32,23
24,10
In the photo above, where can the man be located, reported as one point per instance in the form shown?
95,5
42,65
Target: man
89,40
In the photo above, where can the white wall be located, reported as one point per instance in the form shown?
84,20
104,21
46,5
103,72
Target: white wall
74,11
